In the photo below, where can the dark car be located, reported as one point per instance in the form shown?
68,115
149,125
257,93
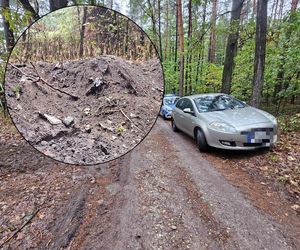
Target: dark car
169,102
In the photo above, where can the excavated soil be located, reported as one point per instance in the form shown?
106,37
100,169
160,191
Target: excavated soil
104,106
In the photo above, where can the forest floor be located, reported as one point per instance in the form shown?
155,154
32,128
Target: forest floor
85,111
164,194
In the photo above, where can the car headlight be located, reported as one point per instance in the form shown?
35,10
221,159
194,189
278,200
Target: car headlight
222,126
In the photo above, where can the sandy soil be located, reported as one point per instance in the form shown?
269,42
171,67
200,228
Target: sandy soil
100,108
162,195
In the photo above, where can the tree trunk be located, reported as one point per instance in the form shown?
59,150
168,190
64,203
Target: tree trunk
201,42
254,9
281,9
212,39
294,5
166,31
57,4
181,45
27,6
8,32
231,47
159,30
82,32
260,52
176,40
188,86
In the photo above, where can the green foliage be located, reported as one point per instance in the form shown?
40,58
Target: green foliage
289,123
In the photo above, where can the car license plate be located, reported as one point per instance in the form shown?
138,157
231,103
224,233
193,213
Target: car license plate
258,136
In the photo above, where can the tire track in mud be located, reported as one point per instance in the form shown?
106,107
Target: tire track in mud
163,208
98,227
164,195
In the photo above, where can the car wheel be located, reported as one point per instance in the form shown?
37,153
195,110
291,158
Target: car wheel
174,127
164,116
201,141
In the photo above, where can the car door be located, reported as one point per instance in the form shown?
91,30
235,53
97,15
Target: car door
177,113
188,119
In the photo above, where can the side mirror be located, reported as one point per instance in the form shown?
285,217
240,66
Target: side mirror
244,102
188,110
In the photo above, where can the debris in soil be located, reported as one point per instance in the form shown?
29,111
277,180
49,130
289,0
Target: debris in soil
52,119
98,85
119,102
68,121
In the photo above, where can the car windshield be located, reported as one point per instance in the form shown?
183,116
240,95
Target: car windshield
217,103
170,100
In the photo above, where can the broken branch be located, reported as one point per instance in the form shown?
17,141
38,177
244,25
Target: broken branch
130,120
50,86
20,228
21,71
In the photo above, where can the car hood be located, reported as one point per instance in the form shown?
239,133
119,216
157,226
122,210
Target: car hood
238,117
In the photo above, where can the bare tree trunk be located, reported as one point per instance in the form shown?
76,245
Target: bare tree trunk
82,32
231,47
276,9
281,9
8,32
201,41
260,52
176,40
159,30
166,31
181,45
188,86
212,39
273,9
294,5
27,6
254,9
57,4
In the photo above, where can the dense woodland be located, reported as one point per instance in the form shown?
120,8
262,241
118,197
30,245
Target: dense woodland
248,48
79,32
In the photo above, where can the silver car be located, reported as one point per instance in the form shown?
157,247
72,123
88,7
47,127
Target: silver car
222,121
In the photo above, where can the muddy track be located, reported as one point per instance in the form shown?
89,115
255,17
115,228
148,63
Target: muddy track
162,195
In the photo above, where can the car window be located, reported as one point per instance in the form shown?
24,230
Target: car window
216,103
184,103
187,104
180,103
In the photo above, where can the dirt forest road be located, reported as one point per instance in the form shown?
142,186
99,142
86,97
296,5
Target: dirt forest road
162,195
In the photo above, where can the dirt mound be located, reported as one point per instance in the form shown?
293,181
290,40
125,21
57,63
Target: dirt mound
85,111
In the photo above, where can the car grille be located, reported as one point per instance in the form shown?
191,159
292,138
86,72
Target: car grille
268,130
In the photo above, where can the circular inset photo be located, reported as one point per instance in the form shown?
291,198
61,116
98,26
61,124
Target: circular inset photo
84,85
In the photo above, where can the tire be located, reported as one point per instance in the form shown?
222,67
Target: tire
174,127
164,117
201,141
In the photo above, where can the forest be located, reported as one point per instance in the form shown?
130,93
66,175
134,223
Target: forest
247,48
82,32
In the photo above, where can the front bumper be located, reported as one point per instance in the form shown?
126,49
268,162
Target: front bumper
246,138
